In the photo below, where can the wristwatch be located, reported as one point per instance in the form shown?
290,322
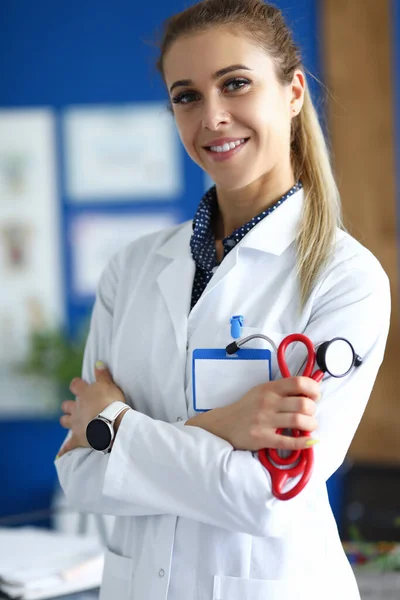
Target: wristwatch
100,430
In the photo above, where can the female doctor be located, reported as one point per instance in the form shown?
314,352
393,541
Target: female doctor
195,515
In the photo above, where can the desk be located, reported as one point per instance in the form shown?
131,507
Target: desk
89,595
376,586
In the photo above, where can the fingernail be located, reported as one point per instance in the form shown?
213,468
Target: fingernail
100,365
311,443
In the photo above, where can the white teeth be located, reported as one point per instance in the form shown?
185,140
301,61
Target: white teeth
226,147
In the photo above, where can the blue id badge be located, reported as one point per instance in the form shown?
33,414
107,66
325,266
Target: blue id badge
220,379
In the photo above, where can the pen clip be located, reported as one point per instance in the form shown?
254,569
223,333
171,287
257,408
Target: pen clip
236,326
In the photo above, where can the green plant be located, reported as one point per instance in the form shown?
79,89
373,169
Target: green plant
54,355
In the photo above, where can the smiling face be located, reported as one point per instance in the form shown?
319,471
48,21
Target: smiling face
232,114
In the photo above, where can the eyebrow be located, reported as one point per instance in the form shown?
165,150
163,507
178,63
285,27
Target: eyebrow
217,75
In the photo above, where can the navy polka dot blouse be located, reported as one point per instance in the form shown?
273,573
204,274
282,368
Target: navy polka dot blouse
202,242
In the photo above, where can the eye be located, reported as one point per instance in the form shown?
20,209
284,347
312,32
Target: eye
184,98
236,84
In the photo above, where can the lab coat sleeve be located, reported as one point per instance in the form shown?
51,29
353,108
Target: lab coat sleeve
355,306
81,471
189,472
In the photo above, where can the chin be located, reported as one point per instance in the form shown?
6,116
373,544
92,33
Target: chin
232,182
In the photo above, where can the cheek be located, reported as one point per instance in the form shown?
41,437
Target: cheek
186,132
274,129
267,115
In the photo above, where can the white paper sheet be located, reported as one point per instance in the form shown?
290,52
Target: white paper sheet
37,563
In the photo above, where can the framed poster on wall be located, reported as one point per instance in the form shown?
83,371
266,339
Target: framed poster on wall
123,153
95,238
29,229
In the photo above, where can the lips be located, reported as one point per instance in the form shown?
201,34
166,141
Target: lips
227,151
222,141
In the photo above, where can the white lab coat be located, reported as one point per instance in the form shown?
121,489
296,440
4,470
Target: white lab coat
195,519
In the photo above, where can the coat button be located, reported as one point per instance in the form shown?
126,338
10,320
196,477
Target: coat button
161,572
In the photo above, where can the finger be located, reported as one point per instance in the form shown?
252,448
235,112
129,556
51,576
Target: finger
296,404
101,371
65,421
78,386
301,386
285,442
68,406
295,421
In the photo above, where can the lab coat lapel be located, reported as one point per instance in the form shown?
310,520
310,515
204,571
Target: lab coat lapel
223,270
279,229
175,282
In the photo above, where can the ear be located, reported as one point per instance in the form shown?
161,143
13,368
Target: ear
297,91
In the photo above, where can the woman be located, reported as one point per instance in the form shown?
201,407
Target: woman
196,518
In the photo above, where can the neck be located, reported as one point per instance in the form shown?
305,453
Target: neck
238,207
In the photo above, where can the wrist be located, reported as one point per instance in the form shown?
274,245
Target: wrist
207,420
118,420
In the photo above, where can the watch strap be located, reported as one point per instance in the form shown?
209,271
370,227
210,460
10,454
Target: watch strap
111,412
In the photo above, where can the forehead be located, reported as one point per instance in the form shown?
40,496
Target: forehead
200,55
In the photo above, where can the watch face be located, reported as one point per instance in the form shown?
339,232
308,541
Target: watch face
98,434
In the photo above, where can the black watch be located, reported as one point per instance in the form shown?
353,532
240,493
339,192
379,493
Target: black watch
100,430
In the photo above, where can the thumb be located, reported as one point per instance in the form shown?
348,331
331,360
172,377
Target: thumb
101,371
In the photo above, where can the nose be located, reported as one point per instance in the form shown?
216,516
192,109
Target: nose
215,114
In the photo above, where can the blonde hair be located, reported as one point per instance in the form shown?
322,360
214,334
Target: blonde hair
265,25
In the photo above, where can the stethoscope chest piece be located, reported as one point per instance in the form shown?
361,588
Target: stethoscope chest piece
337,357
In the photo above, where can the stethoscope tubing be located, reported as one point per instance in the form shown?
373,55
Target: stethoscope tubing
298,462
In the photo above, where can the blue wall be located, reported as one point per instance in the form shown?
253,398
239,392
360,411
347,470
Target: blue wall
58,53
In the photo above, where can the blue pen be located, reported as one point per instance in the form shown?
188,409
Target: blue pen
236,326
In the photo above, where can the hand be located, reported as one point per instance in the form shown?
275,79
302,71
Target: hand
91,399
251,423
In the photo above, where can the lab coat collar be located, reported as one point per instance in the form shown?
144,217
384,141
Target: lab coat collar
178,245
273,234
279,229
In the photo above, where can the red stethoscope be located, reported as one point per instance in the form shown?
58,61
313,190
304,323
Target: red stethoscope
337,358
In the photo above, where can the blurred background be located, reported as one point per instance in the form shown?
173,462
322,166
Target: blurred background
89,160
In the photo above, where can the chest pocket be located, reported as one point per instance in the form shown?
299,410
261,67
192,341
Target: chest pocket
227,381
239,588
